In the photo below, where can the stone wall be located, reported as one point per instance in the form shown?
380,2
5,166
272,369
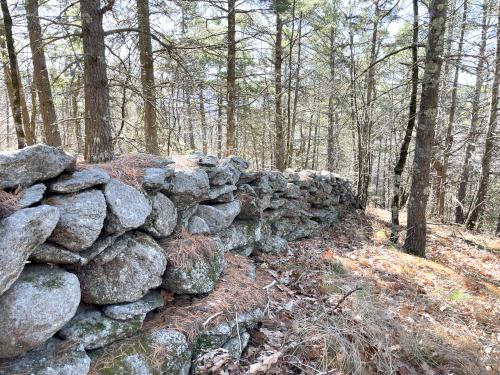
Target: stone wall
101,265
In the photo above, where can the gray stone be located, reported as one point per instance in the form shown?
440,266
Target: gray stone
224,173
81,221
97,248
31,195
208,161
54,357
133,270
128,208
93,329
198,274
294,228
38,304
277,181
292,191
237,344
50,253
20,234
241,234
219,216
247,177
218,191
183,217
197,225
238,162
126,311
160,351
154,178
32,164
79,180
188,187
219,335
163,218
272,244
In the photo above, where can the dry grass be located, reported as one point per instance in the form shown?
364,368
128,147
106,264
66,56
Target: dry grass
128,169
185,249
8,202
412,316
236,292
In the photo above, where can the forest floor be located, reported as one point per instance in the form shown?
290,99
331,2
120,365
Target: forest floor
350,302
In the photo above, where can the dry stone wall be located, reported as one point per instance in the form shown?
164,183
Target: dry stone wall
87,253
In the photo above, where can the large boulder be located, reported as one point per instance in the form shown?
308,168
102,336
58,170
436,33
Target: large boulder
160,351
79,180
219,216
39,303
188,187
20,234
163,218
93,329
128,208
195,265
55,357
124,272
81,221
32,164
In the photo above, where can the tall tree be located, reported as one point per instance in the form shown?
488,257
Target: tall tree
14,75
478,204
98,139
231,78
419,193
147,78
474,119
41,75
331,115
403,153
279,148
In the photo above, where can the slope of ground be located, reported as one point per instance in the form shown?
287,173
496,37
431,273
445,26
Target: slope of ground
349,302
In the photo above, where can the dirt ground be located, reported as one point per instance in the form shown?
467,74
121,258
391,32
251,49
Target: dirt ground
350,302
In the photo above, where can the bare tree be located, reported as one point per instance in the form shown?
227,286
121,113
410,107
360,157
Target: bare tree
278,92
419,192
231,78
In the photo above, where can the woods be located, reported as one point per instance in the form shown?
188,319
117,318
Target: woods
347,86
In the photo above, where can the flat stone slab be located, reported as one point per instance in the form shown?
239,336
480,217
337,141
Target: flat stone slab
126,311
79,180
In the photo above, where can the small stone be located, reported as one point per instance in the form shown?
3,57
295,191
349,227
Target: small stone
197,225
93,329
79,180
239,235
50,253
272,244
126,311
163,218
128,208
188,187
236,345
38,304
81,221
154,178
219,216
31,195
217,191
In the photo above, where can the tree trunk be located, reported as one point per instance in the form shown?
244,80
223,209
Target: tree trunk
478,206
419,193
403,153
147,78
290,152
203,121
451,119
41,75
231,78
75,90
472,135
278,92
14,75
364,133
331,115
98,139
289,135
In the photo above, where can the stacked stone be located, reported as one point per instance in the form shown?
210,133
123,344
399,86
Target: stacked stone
98,251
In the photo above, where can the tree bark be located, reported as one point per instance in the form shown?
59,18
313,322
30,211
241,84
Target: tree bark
14,75
41,75
278,92
147,78
231,78
478,205
472,134
416,228
403,153
331,115
98,139
203,121
75,90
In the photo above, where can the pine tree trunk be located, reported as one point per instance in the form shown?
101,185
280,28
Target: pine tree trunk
416,228
98,139
478,206
472,134
203,121
278,92
14,75
231,78
403,154
331,115
41,76
147,78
